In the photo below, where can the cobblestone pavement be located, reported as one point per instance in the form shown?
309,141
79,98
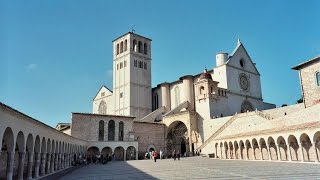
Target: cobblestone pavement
196,168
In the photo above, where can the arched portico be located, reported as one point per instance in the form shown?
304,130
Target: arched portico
178,138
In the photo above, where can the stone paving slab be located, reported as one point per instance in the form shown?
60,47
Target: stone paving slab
196,168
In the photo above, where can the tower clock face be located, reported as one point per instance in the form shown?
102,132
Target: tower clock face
244,82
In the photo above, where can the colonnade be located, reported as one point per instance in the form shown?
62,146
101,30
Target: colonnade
28,156
280,148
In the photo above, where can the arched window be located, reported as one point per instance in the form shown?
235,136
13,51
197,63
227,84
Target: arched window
145,48
155,101
134,45
177,96
102,107
101,130
121,47
318,78
111,130
140,47
120,131
117,49
201,90
125,45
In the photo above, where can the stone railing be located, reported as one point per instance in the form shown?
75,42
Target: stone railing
223,127
153,115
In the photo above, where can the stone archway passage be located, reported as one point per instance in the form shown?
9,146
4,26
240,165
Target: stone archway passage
178,139
131,153
106,151
119,154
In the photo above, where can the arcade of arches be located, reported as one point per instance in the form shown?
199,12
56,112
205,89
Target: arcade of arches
27,155
299,147
119,153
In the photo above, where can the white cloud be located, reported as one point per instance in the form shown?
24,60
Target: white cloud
31,67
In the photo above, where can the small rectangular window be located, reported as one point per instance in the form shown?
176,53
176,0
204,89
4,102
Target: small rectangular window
121,95
135,63
102,94
121,65
117,66
125,63
145,65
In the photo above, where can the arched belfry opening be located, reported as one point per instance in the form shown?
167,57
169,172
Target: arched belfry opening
178,138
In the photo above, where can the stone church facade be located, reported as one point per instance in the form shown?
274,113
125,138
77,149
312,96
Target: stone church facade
219,112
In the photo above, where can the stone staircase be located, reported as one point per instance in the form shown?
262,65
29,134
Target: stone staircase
177,109
231,120
153,115
223,127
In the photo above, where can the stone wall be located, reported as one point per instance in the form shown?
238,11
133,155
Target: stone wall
86,126
310,89
149,135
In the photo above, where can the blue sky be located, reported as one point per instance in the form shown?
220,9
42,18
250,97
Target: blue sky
55,55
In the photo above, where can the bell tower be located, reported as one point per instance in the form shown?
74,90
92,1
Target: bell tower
132,75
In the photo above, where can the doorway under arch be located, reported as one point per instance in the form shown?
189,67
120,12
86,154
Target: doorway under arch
178,138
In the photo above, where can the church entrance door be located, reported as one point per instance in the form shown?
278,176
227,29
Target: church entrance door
183,147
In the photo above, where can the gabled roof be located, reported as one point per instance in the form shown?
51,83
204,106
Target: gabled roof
239,45
301,65
103,86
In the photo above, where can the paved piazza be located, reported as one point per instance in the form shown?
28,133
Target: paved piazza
196,168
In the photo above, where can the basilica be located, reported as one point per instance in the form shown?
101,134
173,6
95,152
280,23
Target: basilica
218,113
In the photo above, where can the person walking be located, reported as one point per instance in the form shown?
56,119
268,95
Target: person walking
174,154
178,155
155,155
161,154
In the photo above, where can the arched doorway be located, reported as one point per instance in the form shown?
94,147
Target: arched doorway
178,138
119,153
131,153
92,153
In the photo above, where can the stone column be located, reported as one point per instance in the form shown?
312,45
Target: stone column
261,153
59,161
246,149
70,160
269,153
301,148
62,160
30,164
10,162
316,153
289,153
43,164
48,163
22,156
234,153
56,162
52,162
37,164
125,155
137,155
253,154
278,153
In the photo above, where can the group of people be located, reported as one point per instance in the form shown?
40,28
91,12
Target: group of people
154,155
176,154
